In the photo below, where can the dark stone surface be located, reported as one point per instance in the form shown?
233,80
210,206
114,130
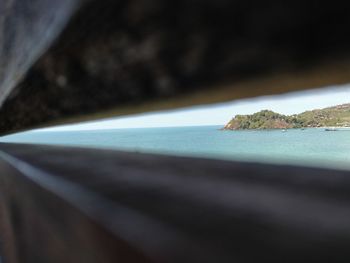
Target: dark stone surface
115,53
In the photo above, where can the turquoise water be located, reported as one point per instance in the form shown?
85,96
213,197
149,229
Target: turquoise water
310,146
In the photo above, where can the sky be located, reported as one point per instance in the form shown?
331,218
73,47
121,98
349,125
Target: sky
221,113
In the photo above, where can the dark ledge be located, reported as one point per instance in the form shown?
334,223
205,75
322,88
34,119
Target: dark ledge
66,204
115,56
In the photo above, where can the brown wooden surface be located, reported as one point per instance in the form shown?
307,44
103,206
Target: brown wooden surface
76,204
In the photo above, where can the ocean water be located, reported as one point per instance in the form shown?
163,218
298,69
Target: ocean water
313,147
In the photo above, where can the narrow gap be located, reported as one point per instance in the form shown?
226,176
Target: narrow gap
309,128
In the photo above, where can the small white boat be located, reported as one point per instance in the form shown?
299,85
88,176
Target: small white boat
284,130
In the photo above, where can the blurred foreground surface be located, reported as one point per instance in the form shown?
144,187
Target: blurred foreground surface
65,205
129,56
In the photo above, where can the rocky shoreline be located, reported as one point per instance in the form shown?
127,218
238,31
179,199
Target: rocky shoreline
337,116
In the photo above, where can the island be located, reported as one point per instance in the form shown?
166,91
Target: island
336,116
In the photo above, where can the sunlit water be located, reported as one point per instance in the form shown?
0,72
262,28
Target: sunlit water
310,146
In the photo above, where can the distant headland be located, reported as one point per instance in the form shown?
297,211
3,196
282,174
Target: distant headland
336,116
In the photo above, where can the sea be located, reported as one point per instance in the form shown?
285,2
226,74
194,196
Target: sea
308,147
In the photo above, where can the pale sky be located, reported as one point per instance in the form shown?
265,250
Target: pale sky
219,114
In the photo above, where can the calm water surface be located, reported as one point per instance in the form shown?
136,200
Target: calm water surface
310,146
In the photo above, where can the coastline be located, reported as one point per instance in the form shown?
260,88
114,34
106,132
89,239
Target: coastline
275,129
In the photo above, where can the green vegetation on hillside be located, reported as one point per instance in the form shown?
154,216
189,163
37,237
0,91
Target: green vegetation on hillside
337,116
